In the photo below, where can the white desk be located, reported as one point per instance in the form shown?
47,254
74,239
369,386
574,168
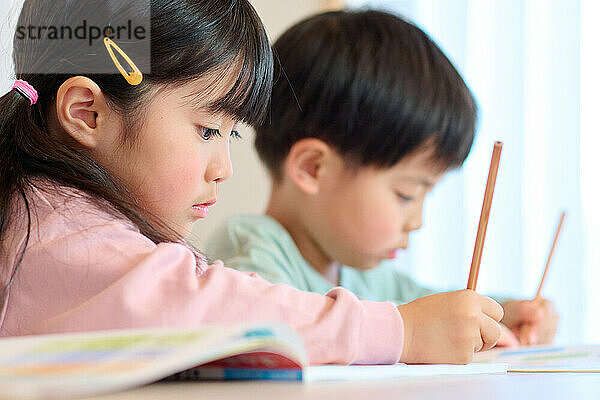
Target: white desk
482,387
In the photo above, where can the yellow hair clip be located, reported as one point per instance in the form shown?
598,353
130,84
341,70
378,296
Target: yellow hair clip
133,78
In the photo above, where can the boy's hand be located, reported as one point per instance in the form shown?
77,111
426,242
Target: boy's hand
532,321
507,338
449,327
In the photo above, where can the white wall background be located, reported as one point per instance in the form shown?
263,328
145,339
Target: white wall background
9,12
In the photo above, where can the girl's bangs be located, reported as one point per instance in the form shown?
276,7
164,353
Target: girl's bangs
251,58
248,98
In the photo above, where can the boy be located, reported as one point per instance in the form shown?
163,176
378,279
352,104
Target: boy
367,116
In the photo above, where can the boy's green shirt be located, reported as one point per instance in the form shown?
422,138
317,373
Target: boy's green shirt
260,244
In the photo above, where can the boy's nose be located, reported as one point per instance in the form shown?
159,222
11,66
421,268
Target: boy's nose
414,224
415,221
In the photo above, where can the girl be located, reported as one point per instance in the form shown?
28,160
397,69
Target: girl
102,176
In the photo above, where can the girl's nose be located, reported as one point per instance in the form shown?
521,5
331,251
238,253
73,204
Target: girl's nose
220,167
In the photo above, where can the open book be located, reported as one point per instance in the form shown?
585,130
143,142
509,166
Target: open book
85,364
583,358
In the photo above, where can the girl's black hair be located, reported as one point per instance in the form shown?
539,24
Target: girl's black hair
370,84
189,39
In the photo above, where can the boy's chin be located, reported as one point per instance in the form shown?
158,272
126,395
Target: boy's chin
366,265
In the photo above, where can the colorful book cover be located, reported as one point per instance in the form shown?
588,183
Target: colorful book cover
85,364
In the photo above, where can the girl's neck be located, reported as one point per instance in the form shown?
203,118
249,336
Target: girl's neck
310,250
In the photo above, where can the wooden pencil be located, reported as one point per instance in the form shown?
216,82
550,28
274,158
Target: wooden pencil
485,215
554,241
525,331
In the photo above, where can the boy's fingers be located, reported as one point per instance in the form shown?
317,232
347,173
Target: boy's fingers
492,309
531,311
507,337
528,335
490,332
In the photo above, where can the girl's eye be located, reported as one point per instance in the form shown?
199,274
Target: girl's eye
235,135
207,133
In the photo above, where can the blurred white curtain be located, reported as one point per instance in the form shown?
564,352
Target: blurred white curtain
590,143
522,61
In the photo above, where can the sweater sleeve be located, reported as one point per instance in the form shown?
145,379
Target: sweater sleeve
109,276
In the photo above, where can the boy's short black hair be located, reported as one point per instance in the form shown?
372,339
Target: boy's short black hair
370,84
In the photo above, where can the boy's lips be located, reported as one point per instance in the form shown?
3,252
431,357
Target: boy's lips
390,255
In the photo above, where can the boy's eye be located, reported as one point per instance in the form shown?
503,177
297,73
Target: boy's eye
404,197
208,133
235,135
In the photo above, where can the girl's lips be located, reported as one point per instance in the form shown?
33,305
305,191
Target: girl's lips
201,210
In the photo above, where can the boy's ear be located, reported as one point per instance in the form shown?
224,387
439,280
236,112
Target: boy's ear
80,109
304,163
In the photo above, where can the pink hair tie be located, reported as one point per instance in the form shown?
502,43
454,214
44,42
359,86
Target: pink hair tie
26,90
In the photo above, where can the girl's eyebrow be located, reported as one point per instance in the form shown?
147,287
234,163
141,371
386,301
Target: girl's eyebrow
192,101
200,100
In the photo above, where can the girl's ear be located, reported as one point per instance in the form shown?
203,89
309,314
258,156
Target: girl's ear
305,164
82,111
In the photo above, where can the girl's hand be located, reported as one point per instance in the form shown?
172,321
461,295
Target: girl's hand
532,321
449,327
